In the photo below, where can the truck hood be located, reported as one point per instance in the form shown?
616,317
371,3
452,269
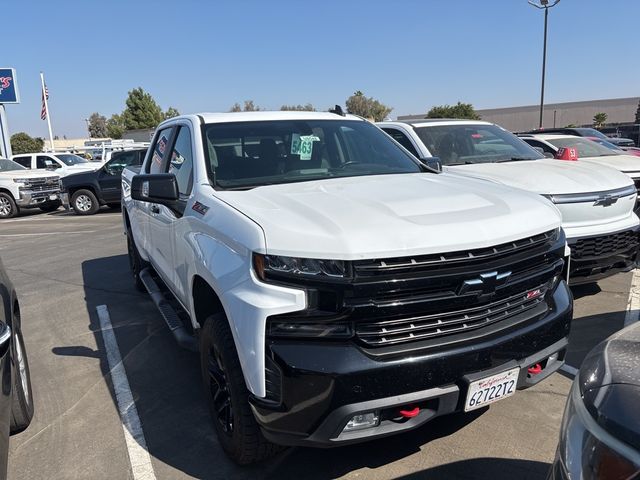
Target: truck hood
28,174
624,163
391,215
549,176
85,167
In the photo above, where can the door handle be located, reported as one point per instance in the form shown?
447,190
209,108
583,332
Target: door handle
155,209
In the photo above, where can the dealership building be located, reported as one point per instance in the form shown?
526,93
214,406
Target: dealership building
516,119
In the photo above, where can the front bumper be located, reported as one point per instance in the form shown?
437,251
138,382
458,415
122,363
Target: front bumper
596,265
325,384
30,198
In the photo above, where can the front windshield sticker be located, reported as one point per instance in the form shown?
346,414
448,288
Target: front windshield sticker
306,146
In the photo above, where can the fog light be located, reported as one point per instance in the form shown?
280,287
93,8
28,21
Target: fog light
362,421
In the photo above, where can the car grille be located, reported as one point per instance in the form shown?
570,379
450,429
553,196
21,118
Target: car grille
392,302
604,245
41,185
391,332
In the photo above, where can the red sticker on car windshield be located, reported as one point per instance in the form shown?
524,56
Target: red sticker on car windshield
476,135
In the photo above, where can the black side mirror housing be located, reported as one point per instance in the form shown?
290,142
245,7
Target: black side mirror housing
161,188
432,162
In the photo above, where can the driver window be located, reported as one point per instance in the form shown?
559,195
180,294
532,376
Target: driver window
181,161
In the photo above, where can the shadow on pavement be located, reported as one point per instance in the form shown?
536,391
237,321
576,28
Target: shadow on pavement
587,290
166,386
494,468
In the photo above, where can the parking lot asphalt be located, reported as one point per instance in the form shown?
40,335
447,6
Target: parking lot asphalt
64,266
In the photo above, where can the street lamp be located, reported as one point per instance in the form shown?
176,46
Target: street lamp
543,5
89,129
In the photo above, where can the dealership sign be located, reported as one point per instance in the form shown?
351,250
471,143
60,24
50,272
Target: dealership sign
8,86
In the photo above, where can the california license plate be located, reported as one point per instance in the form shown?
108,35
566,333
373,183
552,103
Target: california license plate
491,389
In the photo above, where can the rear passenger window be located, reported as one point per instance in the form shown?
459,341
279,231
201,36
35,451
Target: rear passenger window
24,161
156,165
181,161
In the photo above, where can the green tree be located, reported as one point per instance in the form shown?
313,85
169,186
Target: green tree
141,111
459,110
367,107
24,143
599,119
300,108
115,126
98,125
249,106
171,112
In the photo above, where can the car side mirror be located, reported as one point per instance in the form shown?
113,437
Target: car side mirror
161,188
432,162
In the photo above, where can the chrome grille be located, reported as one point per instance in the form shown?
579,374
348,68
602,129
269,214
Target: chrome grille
390,332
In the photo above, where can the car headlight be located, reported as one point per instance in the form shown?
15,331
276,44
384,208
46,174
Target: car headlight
280,266
586,451
20,181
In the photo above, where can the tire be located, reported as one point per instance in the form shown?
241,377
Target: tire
8,207
84,202
22,397
136,263
227,395
51,206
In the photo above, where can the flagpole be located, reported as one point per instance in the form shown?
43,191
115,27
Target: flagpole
46,108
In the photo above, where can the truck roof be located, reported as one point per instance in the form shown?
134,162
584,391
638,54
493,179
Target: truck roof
440,121
213,117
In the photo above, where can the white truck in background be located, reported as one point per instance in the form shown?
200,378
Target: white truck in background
23,189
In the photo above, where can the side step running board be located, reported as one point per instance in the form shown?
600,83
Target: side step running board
171,318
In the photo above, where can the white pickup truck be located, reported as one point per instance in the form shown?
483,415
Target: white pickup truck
22,188
596,201
337,289
62,163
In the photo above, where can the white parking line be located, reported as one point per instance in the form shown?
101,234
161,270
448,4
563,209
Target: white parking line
134,436
569,369
633,305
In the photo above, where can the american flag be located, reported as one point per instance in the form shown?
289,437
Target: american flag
43,111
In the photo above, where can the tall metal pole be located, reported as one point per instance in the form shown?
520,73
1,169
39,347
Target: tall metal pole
46,108
544,64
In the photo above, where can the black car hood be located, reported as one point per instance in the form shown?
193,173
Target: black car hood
610,384
80,178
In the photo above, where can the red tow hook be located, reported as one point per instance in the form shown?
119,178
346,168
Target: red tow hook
535,370
410,413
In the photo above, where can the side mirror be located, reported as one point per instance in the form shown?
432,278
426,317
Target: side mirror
159,188
567,153
432,162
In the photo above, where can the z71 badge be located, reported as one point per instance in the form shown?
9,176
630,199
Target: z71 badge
200,208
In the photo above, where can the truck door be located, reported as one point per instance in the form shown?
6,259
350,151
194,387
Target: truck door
159,218
109,176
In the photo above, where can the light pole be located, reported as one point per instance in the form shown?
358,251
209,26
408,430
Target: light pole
88,129
543,5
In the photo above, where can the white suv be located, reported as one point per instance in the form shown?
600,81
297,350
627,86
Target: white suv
62,163
596,201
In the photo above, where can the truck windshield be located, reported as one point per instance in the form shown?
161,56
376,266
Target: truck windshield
461,144
586,148
9,165
70,159
242,155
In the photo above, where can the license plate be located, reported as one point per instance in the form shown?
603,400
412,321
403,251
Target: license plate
491,389
53,197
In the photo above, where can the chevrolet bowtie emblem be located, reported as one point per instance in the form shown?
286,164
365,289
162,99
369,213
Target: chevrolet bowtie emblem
485,284
606,200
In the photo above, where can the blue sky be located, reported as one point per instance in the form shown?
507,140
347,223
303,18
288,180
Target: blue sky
410,54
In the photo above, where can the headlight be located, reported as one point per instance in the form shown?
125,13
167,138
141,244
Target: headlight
20,181
266,265
586,451
285,328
